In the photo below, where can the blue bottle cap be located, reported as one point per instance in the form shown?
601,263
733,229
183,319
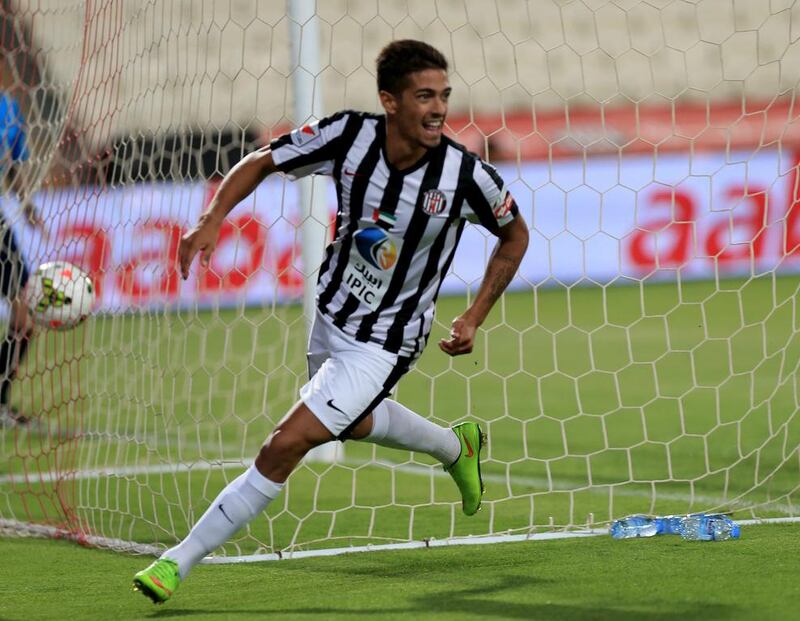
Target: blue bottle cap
735,531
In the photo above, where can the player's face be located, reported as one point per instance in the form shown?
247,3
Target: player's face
421,108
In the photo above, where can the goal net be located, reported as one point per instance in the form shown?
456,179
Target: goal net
644,360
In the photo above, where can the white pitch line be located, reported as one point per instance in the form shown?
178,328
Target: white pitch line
532,482
123,471
563,486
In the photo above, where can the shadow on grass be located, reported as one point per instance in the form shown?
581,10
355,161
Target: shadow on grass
479,602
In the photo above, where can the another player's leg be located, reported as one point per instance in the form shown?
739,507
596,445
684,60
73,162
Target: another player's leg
12,351
393,425
241,501
14,346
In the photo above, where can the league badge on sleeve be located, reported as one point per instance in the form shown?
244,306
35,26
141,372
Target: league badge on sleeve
434,202
504,208
305,134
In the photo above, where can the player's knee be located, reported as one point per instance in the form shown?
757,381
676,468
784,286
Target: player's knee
362,429
279,455
285,444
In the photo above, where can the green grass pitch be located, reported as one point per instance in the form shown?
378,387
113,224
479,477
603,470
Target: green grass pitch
660,579
598,402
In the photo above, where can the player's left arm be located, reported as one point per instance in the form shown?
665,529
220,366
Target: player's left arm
503,264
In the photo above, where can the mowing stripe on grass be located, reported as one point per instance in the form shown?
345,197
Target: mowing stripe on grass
552,485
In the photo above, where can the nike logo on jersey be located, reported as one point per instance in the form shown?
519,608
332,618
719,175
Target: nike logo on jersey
219,506
330,405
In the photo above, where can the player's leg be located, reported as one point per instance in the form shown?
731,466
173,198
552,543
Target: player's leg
393,425
243,499
14,346
250,494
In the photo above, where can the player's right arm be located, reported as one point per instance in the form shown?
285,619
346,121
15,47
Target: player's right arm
310,149
238,184
17,178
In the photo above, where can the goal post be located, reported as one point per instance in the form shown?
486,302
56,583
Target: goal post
304,33
644,360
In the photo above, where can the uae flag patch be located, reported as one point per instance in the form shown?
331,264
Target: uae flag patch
387,220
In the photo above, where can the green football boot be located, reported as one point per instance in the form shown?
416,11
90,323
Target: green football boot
158,581
466,471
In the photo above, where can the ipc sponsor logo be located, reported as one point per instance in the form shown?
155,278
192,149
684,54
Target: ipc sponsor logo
377,249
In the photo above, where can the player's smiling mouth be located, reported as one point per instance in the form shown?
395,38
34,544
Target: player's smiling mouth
433,127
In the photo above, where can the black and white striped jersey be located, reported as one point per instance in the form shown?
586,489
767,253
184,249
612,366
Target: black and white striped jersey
396,230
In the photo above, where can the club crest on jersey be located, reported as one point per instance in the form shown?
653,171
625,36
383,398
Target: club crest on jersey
434,202
305,134
376,248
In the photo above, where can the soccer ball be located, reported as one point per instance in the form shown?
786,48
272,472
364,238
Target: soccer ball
59,295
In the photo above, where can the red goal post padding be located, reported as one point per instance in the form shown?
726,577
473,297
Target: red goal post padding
674,127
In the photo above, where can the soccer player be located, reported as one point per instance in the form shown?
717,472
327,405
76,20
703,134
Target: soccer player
404,191
13,272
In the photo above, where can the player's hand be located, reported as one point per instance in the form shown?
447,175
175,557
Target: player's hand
203,239
462,337
32,216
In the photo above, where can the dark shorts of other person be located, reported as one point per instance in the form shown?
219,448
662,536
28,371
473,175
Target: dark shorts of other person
13,271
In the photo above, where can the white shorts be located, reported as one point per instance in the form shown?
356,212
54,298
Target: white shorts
348,379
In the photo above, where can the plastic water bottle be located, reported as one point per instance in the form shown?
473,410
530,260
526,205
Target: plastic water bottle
671,524
636,526
714,527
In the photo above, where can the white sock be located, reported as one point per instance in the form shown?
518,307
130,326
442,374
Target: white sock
242,500
395,426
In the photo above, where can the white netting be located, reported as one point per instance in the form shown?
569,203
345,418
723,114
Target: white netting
646,359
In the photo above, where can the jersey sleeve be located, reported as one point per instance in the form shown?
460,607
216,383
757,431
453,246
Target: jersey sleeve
488,201
12,130
310,149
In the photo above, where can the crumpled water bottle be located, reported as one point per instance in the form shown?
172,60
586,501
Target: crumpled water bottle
636,526
671,524
712,527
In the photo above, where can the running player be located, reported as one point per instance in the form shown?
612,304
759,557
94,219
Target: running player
405,191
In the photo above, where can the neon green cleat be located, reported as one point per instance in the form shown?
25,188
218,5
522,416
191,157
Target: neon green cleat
158,581
466,471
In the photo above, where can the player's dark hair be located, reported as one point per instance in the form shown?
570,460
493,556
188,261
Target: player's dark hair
400,58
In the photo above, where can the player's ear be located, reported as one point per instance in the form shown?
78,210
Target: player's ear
388,101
